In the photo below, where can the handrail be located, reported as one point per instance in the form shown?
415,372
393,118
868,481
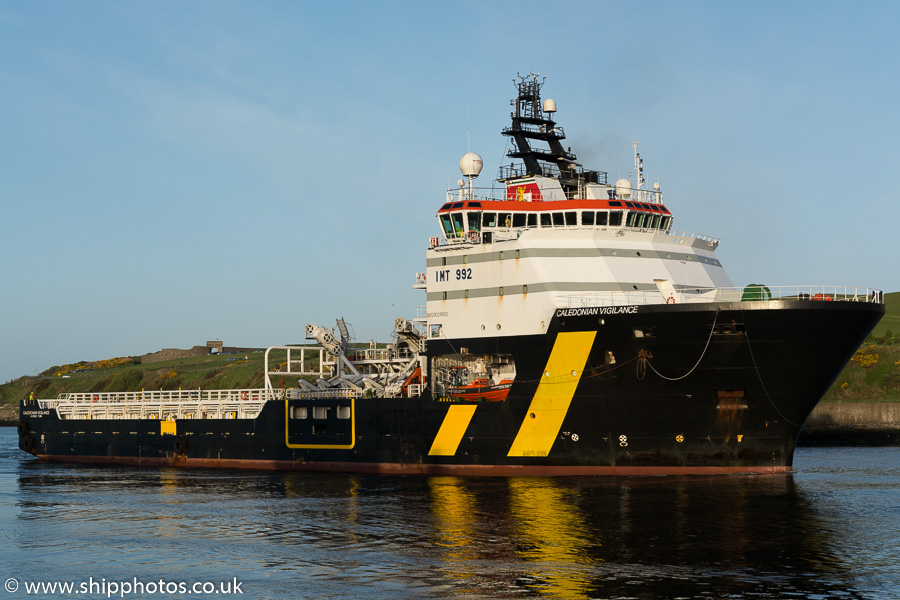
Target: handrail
502,234
326,394
162,405
693,295
170,396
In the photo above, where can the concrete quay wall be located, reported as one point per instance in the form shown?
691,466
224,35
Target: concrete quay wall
855,415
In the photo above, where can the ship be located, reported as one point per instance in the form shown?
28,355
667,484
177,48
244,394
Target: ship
568,329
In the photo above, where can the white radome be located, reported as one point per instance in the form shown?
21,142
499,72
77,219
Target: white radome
623,188
549,105
470,164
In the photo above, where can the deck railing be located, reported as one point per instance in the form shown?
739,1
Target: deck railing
163,404
727,294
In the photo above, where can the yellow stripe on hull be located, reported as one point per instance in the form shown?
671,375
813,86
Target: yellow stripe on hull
554,394
452,430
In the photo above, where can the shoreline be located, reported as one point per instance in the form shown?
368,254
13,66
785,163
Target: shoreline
852,424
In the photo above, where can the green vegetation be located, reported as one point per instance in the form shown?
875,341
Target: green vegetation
241,370
225,371
890,321
873,375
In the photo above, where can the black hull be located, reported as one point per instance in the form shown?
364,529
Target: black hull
692,388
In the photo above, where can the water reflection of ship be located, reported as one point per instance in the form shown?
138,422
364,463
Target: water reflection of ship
588,539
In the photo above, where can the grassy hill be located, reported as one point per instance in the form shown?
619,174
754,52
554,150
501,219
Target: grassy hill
872,376
126,374
891,319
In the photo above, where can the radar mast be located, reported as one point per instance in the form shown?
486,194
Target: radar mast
532,121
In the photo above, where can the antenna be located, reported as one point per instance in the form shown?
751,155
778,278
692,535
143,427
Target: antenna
468,146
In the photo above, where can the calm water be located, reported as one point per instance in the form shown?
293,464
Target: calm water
830,530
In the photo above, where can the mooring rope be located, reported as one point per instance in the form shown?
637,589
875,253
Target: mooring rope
644,357
759,375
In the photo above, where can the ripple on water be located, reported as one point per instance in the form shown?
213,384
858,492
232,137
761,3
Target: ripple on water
829,530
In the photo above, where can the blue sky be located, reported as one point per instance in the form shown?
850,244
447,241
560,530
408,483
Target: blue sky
175,172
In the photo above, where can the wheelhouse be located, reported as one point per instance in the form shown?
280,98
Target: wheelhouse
475,220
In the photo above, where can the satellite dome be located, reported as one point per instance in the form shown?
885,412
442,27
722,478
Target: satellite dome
549,105
470,164
623,188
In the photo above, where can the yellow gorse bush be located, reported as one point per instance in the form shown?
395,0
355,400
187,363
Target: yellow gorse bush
865,357
109,363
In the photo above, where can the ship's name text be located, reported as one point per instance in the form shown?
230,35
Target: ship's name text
596,310
35,413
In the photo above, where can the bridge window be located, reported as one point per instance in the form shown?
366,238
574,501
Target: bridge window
572,218
459,225
546,220
558,219
615,218
505,220
532,220
518,219
489,219
587,218
602,218
445,224
630,221
474,220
